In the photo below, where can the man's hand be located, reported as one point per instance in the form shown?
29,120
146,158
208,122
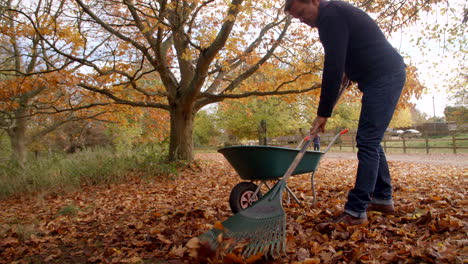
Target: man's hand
318,126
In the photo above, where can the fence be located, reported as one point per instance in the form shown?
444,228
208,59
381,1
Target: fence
456,142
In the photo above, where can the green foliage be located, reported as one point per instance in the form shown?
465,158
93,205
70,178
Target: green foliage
241,119
457,114
5,149
69,209
61,172
205,130
460,91
417,117
402,118
124,137
345,115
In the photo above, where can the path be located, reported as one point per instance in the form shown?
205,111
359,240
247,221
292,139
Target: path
459,160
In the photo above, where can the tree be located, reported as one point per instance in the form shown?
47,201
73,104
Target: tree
240,119
346,115
206,131
182,55
418,118
457,114
36,83
459,88
402,118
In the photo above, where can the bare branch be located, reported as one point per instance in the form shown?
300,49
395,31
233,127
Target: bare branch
118,100
257,65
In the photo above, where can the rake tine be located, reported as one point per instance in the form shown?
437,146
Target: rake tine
254,248
276,236
274,247
267,244
280,240
266,241
283,242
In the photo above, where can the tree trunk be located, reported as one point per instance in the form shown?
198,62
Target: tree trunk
17,136
181,141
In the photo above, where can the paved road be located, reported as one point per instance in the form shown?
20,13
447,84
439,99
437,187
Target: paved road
442,159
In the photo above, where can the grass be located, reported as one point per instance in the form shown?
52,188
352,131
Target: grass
206,149
62,172
69,209
400,150
23,229
432,145
439,145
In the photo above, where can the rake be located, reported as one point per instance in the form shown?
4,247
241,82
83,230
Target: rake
263,225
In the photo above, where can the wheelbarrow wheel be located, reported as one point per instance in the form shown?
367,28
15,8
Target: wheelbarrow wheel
241,196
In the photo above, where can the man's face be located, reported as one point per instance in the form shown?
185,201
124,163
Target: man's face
307,13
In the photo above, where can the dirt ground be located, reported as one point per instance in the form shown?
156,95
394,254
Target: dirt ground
152,220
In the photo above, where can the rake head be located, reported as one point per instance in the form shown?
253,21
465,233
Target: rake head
261,227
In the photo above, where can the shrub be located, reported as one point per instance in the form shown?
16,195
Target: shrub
91,166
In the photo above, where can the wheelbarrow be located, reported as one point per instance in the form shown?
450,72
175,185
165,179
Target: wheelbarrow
258,165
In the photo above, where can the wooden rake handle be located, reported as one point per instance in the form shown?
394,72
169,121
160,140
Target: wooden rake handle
305,144
297,159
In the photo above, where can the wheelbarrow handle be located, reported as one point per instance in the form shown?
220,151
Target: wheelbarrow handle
305,143
342,132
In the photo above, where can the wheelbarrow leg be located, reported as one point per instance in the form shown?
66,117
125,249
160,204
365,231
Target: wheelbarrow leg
314,201
293,195
287,189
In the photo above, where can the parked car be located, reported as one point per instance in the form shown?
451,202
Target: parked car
411,133
396,132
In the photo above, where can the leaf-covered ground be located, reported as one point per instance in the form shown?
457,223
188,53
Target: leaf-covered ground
151,221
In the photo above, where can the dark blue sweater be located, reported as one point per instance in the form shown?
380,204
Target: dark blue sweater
354,45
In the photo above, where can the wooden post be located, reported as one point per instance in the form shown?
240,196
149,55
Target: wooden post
454,143
404,145
427,144
262,133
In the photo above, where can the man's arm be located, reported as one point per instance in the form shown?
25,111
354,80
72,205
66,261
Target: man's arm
318,125
334,35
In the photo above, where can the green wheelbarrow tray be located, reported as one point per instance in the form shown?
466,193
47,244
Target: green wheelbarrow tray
267,162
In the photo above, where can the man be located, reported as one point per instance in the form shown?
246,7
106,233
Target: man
356,48
317,142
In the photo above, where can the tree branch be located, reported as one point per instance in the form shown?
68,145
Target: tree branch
235,83
118,100
207,98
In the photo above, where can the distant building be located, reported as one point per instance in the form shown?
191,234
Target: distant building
437,128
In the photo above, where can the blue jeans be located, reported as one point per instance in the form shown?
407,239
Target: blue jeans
379,100
316,147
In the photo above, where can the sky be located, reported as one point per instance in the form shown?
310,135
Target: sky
436,64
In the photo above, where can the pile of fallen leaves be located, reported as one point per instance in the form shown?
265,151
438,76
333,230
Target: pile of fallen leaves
153,220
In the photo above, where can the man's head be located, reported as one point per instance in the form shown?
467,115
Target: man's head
304,10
